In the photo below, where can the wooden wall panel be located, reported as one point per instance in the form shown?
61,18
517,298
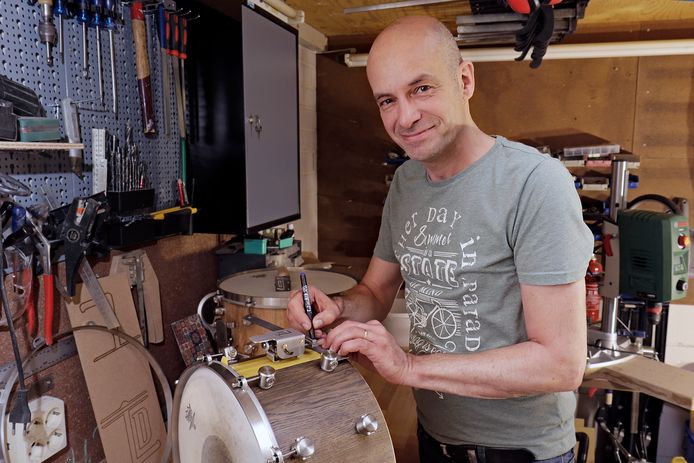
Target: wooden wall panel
352,147
664,129
187,270
595,96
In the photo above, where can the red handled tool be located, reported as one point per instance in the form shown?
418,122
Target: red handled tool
29,307
48,290
144,80
43,246
183,55
162,29
173,34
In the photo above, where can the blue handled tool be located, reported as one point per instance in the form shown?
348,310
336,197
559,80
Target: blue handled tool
97,22
60,11
110,25
83,18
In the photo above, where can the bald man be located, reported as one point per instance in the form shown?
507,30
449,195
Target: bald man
489,238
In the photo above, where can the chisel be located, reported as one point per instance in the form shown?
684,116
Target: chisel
166,82
83,19
110,25
174,47
183,55
173,51
97,22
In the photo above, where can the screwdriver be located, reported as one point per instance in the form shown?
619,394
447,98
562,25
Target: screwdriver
97,23
83,18
110,24
166,82
175,38
47,28
60,11
173,51
182,55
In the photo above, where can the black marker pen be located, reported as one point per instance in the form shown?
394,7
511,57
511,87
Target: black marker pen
307,303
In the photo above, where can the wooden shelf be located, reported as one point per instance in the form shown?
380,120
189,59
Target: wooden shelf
38,146
581,164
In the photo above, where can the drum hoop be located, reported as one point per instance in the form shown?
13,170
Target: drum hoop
260,424
265,302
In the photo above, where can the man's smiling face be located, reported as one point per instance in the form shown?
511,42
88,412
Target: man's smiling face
419,91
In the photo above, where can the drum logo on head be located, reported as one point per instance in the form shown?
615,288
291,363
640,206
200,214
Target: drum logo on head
190,417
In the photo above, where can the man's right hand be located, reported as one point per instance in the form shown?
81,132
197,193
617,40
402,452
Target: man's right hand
326,310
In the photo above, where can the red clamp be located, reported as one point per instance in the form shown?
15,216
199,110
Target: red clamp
607,244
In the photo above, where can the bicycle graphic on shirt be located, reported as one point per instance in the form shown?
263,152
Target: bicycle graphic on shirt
444,322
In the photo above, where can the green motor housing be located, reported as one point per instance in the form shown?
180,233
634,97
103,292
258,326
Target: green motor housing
653,255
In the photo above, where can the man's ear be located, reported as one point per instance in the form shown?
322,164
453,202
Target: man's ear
466,71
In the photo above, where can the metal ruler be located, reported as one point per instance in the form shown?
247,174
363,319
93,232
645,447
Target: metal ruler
62,349
136,276
96,291
99,162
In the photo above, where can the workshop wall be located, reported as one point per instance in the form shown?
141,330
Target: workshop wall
307,227
352,147
644,104
187,270
22,60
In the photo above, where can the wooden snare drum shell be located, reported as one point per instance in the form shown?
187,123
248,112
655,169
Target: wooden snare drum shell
306,401
254,292
242,333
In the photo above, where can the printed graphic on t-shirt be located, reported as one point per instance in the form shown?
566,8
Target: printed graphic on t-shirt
441,302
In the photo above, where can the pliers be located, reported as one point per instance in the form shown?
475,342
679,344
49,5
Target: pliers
29,307
43,246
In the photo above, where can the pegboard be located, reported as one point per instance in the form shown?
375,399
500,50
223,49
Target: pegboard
23,60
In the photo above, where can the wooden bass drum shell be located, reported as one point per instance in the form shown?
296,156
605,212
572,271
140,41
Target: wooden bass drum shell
305,401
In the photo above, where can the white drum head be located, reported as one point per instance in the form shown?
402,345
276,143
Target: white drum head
259,285
214,427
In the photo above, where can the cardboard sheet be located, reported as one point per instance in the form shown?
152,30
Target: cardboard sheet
118,378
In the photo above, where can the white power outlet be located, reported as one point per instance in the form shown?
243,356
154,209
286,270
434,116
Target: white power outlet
43,437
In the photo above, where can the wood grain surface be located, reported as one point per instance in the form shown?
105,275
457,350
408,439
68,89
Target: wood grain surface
601,16
400,410
306,401
666,382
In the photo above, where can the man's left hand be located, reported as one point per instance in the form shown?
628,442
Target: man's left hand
372,341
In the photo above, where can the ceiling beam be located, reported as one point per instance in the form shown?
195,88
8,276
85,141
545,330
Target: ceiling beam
568,51
388,6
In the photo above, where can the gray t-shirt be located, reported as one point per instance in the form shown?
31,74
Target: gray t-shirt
464,246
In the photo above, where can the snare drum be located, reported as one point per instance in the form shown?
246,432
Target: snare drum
219,419
253,292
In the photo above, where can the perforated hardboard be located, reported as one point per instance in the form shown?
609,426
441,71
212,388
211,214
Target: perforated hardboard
22,59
